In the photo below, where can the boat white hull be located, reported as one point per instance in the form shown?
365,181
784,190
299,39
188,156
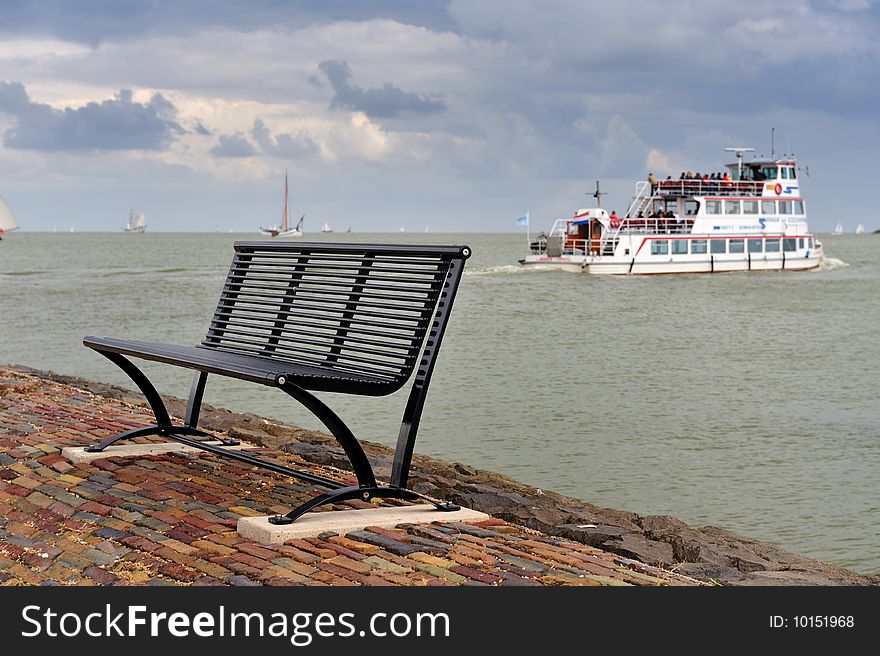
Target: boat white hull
280,233
573,263
720,264
609,265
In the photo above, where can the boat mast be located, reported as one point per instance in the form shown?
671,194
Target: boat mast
286,205
598,195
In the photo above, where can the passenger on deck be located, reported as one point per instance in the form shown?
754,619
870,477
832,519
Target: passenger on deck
653,182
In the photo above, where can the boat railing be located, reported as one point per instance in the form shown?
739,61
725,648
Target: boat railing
661,225
709,188
580,246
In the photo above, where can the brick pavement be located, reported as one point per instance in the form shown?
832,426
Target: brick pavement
170,519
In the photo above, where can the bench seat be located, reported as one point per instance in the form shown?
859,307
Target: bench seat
253,368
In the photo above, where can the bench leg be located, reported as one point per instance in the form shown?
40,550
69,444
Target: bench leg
363,493
163,424
194,406
355,452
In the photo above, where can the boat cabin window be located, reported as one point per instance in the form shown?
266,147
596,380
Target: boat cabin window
801,242
771,245
698,246
768,207
789,244
659,247
731,207
810,242
769,172
785,207
798,207
750,207
713,207
737,246
719,246
679,247
755,246
691,207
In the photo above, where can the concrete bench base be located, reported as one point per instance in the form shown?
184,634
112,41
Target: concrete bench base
310,525
78,454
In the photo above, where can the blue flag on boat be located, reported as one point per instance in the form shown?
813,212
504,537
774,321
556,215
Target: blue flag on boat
523,220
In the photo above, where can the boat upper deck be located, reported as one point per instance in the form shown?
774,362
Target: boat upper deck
688,188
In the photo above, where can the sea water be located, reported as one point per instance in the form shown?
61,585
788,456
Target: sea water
747,401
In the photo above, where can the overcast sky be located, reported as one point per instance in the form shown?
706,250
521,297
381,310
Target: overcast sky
457,115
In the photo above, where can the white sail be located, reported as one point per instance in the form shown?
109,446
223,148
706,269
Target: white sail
838,229
326,227
136,222
7,218
860,229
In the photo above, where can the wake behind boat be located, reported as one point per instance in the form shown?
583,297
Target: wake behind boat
7,218
284,230
752,217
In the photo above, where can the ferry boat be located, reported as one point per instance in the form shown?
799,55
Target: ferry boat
750,218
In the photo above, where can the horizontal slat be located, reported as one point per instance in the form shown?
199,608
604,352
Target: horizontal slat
392,250
289,345
362,327
304,358
406,343
294,264
242,290
241,286
244,272
228,303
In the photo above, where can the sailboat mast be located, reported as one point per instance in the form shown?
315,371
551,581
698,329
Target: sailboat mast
284,218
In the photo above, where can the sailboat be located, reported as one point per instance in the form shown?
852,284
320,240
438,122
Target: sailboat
860,229
838,229
284,230
7,218
326,227
136,222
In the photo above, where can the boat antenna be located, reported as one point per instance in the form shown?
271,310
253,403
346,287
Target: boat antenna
598,194
739,157
773,143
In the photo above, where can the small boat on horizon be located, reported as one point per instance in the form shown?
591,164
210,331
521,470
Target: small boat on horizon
326,227
838,229
860,229
7,219
284,230
136,222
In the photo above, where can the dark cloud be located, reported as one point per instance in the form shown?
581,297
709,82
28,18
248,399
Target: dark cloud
99,20
233,145
201,130
385,102
116,124
283,144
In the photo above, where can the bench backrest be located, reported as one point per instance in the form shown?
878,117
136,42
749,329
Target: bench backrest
357,309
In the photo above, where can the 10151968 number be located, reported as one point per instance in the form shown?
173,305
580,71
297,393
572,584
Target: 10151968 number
823,621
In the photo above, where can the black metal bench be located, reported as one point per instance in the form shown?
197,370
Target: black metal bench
350,318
